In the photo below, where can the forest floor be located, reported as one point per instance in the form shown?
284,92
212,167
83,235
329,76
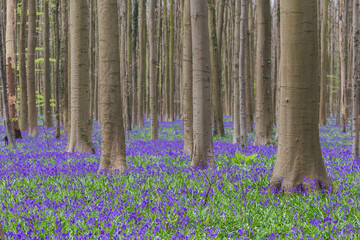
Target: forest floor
48,194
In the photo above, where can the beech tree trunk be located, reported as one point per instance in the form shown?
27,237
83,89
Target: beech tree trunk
142,63
6,115
299,159
203,148
22,69
171,62
47,80
129,61
236,93
152,67
64,65
187,81
242,79
32,36
342,43
324,63
263,114
133,40
10,66
113,155
355,80
80,139
57,70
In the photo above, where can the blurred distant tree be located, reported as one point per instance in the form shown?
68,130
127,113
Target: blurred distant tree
355,80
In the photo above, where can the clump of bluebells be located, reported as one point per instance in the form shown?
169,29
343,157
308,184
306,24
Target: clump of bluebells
49,194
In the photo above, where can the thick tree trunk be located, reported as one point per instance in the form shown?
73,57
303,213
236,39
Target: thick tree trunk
187,81
203,147
32,36
263,114
242,79
113,154
22,69
47,80
80,139
324,64
142,62
152,66
355,80
299,160
236,93
10,66
215,72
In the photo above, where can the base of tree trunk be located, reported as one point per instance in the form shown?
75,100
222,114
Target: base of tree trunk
304,187
2,234
113,171
17,134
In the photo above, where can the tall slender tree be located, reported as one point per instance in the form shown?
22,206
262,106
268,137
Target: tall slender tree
203,155
80,139
142,62
187,81
242,84
263,111
236,107
215,72
299,159
9,130
64,64
32,36
113,155
355,80
324,62
10,66
22,69
152,66
47,80
342,43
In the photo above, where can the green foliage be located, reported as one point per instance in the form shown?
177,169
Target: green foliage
240,158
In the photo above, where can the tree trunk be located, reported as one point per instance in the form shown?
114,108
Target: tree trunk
22,69
7,123
242,79
299,160
129,61
64,65
203,147
171,62
47,80
263,115
142,62
187,81
324,66
134,64
80,139
342,31
355,80
10,66
32,36
236,107
57,70
113,155
215,72
152,66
